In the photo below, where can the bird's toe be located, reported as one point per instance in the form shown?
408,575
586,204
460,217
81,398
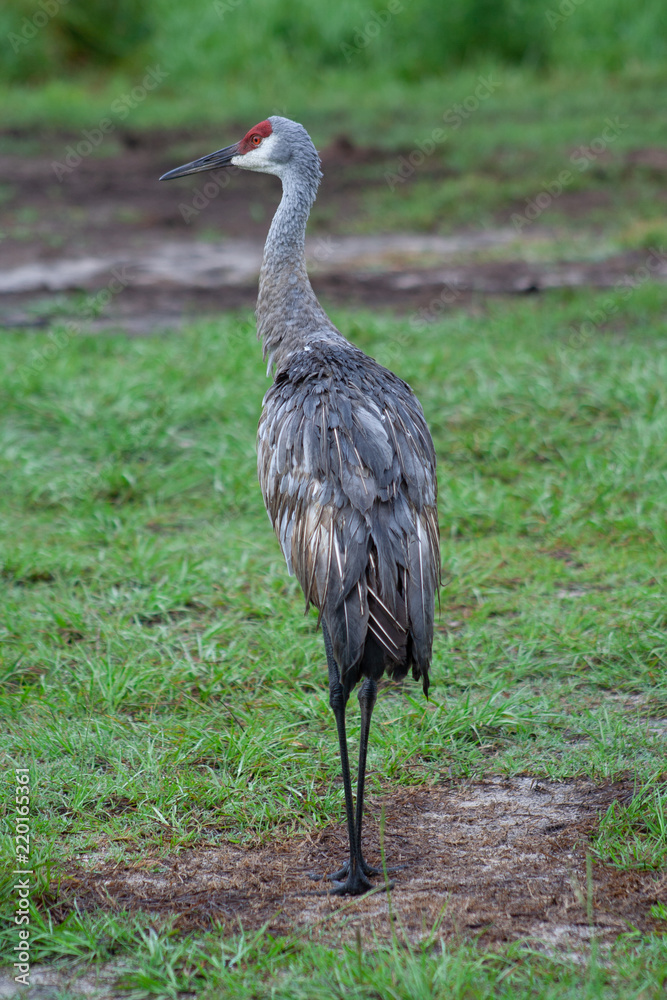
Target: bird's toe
354,885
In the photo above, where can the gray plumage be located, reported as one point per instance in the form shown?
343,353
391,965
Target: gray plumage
346,466
345,460
347,471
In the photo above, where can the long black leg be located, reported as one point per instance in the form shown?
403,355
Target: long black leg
367,698
368,693
356,882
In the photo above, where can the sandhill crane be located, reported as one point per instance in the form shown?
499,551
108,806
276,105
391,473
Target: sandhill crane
346,467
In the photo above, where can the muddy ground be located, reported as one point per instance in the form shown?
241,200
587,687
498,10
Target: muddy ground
193,247
498,860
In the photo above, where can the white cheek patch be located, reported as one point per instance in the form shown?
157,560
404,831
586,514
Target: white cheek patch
259,159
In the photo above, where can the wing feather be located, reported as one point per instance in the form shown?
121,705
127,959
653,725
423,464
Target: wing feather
347,470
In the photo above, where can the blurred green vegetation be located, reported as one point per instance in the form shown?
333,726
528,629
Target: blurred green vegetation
408,40
267,48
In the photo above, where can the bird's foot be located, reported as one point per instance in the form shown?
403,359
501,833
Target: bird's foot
368,870
356,884
343,873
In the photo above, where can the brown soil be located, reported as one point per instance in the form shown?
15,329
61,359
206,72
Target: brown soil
111,209
114,201
500,860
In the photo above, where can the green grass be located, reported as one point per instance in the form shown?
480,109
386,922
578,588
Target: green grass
567,105
158,674
258,966
635,835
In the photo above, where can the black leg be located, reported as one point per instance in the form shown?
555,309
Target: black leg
356,881
367,698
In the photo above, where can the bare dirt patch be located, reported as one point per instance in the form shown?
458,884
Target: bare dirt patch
501,860
71,980
193,248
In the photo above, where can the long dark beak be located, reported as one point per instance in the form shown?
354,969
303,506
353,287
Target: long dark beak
221,158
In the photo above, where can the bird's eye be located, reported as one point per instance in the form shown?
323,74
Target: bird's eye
256,139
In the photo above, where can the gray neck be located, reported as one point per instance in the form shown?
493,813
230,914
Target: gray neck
289,317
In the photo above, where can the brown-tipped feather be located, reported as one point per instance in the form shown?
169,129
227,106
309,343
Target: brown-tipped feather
359,464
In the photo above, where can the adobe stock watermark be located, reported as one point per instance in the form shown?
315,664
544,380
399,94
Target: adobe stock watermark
566,8
390,352
581,159
31,26
438,304
95,481
453,118
22,871
205,194
59,339
120,108
623,289
323,248
224,7
363,36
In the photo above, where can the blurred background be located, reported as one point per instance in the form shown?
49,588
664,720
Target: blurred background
532,130
229,56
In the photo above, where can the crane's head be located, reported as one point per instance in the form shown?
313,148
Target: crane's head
275,146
